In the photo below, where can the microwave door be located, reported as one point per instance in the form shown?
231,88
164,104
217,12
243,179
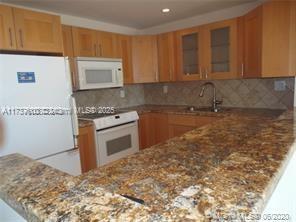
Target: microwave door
93,78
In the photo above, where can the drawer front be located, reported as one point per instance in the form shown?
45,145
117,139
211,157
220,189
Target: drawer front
183,120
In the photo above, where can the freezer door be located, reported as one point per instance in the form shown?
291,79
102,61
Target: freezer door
35,82
68,162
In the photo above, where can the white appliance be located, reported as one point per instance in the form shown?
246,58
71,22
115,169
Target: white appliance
36,105
96,73
116,135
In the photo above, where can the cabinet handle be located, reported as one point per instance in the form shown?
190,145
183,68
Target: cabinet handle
156,76
10,36
21,38
171,75
242,70
100,47
95,49
206,73
200,72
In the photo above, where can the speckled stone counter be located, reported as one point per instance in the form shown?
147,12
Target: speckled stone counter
221,170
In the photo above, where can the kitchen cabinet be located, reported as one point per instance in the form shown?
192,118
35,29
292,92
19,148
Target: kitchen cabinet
105,44
146,130
144,54
189,54
160,123
87,148
166,57
69,52
37,32
123,49
180,124
7,31
84,42
156,128
220,49
270,40
92,43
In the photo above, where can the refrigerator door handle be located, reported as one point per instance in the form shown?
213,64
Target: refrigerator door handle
74,120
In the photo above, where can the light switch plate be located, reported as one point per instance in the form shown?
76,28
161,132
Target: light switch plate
122,93
280,85
165,89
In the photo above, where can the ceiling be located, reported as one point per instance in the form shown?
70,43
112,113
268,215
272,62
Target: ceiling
139,14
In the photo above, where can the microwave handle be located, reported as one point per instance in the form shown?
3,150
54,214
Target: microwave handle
119,76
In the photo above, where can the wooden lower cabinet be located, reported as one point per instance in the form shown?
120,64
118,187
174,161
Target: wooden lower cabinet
156,128
87,148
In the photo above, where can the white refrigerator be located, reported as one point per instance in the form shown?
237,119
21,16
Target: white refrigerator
38,110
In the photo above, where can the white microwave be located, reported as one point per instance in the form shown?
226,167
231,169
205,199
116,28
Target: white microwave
97,73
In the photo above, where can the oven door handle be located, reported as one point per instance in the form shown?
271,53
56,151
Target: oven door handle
120,127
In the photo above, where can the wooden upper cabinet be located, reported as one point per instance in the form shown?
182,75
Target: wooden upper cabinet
7,32
252,44
105,44
269,40
85,42
37,31
69,52
67,40
123,50
166,57
144,52
188,54
278,38
220,49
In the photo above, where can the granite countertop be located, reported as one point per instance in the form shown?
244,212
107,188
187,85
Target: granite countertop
183,179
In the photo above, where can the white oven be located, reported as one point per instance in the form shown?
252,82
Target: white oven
117,142
96,73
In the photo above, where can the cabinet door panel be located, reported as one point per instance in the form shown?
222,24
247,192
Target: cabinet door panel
37,31
178,130
160,121
69,51
146,131
124,51
85,42
220,47
166,57
105,44
252,49
188,54
144,52
7,32
87,148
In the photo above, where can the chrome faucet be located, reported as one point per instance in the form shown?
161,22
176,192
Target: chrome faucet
215,101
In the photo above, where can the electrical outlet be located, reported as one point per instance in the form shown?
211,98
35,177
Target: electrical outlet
280,85
165,89
122,93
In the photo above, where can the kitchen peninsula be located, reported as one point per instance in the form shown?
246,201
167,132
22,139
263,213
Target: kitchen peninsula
225,169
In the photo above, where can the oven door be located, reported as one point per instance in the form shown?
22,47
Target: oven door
117,142
99,74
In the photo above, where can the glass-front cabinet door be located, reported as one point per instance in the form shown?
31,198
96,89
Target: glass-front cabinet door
220,49
189,54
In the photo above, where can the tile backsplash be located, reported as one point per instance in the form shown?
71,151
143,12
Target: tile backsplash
251,93
134,96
